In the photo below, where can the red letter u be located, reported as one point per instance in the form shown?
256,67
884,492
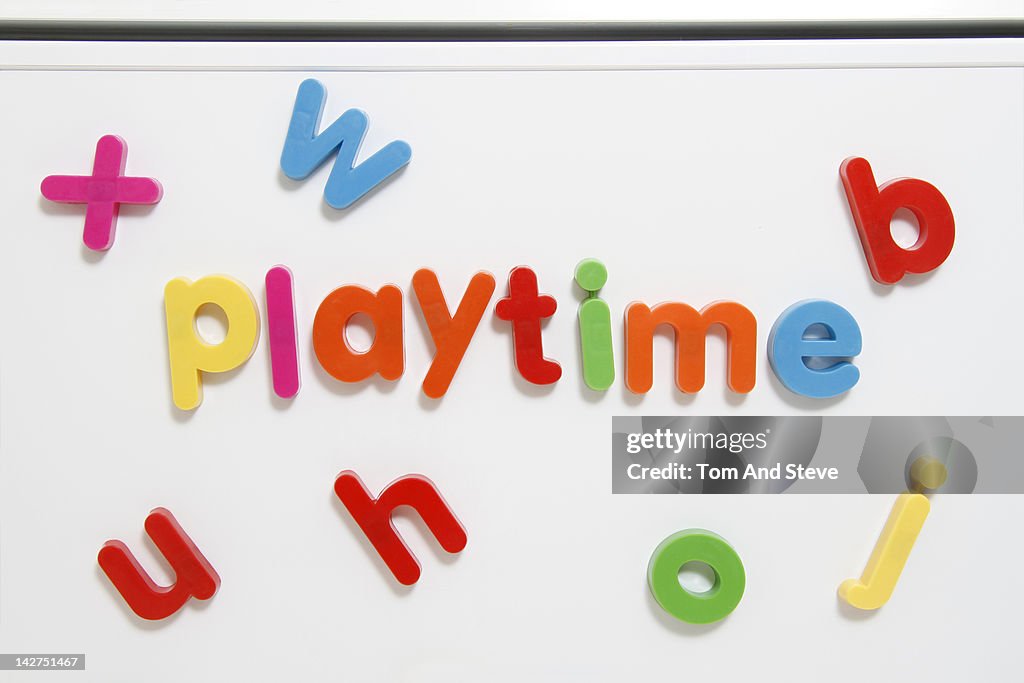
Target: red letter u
194,576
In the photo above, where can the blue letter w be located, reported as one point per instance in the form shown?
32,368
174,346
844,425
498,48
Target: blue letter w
304,150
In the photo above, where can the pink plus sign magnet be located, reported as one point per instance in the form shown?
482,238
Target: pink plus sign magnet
103,192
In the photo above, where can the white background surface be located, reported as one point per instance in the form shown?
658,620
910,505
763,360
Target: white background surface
522,10
695,171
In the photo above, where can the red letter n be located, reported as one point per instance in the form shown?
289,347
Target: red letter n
373,515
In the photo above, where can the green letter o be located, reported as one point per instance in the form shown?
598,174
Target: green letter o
696,545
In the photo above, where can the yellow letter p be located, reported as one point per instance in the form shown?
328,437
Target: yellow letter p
189,353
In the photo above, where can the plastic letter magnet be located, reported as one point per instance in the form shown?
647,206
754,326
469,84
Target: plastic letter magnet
103,192
696,545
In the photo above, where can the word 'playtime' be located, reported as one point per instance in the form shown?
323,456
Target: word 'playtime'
523,308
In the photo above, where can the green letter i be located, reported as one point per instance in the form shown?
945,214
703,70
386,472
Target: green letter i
595,327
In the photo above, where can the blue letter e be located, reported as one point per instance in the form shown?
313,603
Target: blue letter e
796,352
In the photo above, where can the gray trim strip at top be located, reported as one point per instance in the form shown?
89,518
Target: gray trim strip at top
499,31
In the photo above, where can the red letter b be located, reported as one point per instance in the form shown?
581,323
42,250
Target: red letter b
873,208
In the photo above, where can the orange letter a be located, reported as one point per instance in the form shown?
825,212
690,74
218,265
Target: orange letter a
387,353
